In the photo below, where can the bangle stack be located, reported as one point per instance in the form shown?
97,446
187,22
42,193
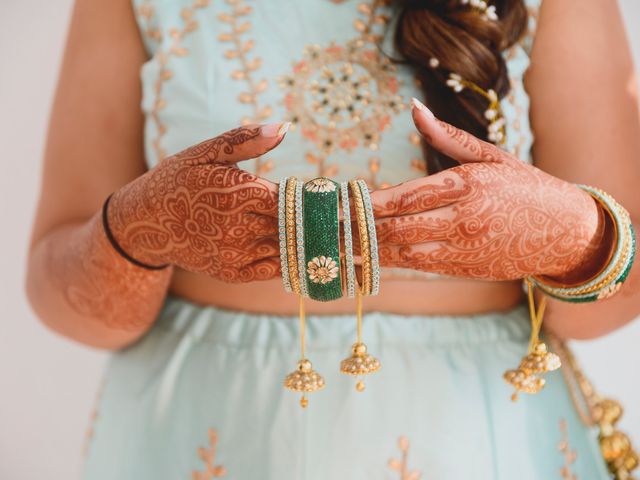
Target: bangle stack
315,265
528,376
609,280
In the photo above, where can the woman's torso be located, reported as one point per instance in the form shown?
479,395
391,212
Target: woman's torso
217,64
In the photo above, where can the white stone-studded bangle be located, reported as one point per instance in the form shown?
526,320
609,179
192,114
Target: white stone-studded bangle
373,239
282,235
348,241
302,268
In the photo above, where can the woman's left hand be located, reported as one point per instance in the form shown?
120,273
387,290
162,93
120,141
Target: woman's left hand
492,217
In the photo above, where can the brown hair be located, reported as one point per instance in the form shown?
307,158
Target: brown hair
464,42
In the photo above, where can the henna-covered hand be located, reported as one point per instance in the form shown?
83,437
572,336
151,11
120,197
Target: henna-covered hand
492,217
199,211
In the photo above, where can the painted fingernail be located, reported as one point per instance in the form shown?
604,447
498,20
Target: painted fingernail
417,104
273,130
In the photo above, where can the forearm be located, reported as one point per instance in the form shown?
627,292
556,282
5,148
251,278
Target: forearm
595,319
83,289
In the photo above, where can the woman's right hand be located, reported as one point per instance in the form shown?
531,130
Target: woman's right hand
199,211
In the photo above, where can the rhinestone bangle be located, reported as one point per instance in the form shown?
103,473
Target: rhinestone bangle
322,239
300,240
282,235
373,239
363,233
292,258
348,241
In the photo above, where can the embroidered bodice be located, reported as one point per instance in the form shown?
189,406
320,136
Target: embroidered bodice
216,64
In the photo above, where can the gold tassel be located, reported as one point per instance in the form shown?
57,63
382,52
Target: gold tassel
538,361
304,378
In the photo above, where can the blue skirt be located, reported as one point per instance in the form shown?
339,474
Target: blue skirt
201,397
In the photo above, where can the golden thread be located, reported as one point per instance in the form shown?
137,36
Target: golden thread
302,325
290,225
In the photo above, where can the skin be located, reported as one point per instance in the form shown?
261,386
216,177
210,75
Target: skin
82,289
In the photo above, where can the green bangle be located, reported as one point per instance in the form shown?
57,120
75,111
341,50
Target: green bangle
322,239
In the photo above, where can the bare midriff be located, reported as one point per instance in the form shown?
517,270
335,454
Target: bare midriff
435,296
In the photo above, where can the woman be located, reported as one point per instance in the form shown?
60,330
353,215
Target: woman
182,280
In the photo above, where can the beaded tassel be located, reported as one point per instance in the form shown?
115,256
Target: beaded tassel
527,377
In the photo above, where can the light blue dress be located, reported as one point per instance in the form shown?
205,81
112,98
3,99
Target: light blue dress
201,396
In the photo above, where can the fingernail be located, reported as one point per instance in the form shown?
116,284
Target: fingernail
273,130
415,103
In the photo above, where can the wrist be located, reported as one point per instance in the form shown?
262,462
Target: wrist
596,252
125,243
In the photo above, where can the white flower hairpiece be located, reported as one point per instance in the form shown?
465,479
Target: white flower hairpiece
487,11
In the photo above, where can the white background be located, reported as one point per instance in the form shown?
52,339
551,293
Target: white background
47,384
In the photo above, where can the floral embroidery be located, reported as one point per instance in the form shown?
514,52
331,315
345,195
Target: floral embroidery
569,455
208,456
402,465
343,97
176,49
322,269
240,51
320,185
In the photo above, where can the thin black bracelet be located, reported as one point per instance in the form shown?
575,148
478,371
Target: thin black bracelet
118,248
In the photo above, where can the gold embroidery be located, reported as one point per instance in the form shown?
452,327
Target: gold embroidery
208,456
240,51
402,465
569,455
615,446
353,94
175,49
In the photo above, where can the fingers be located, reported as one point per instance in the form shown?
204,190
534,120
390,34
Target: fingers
420,195
242,143
451,141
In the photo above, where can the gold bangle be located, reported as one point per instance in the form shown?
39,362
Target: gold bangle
292,256
365,252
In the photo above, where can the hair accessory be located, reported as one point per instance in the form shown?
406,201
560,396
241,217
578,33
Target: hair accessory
350,271
116,246
282,235
304,378
496,130
322,239
486,10
538,361
610,279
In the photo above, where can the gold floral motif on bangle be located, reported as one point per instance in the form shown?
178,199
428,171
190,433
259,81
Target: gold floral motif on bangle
320,185
401,465
162,57
322,269
208,456
569,454
241,51
343,97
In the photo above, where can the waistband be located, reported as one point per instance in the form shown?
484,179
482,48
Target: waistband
237,328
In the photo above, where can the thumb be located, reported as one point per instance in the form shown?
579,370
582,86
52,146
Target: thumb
453,142
242,143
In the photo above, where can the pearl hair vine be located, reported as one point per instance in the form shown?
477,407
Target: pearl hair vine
486,10
496,130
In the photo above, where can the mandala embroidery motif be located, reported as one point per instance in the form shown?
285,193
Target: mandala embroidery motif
343,96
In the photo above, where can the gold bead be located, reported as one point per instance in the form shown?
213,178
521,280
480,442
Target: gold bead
359,349
360,386
615,446
304,401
